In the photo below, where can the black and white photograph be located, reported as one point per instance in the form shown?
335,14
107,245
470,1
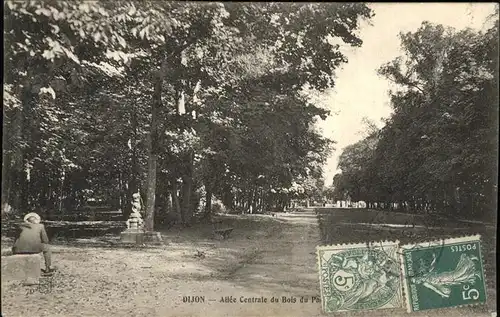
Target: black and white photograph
249,159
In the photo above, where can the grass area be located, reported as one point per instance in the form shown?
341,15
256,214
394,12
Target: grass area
339,226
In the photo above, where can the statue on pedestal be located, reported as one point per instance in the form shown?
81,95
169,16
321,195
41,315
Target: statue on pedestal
135,225
135,233
135,219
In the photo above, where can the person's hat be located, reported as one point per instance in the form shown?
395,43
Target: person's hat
32,214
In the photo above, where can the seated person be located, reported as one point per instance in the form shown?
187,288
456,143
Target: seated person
33,239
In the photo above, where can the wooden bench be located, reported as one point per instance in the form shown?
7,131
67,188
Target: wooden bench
216,223
270,213
223,233
219,230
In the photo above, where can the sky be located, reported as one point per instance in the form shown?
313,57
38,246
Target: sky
359,92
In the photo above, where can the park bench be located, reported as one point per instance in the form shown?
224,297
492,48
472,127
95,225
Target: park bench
223,233
21,267
219,230
271,213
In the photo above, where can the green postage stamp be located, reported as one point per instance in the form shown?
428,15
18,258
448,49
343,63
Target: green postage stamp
362,276
443,273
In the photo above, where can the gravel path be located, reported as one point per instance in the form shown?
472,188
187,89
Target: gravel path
265,258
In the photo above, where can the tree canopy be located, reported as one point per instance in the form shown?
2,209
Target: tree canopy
439,149
181,101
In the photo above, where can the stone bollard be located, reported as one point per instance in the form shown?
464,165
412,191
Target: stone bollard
21,267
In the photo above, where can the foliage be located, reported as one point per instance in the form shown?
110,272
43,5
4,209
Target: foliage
99,95
438,150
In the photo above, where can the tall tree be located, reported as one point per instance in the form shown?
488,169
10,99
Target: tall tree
200,85
437,150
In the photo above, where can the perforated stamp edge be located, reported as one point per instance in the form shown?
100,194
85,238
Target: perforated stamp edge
433,243
345,246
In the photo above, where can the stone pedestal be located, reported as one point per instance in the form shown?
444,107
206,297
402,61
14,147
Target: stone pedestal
152,237
138,236
132,236
21,267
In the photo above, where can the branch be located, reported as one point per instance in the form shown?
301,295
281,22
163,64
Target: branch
409,84
416,86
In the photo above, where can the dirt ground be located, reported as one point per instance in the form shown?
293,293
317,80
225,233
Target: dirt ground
265,257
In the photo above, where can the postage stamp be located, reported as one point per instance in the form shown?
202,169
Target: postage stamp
443,273
362,276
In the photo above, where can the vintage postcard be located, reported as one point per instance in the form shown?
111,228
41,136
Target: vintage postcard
187,158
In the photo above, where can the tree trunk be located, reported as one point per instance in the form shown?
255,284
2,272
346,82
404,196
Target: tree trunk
6,168
208,199
170,204
6,184
249,201
153,156
264,201
186,200
122,194
60,196
255,200
151,194
133,181
18,166
176,202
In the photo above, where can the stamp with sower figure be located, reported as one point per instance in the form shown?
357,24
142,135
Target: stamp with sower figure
445,273
362,276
